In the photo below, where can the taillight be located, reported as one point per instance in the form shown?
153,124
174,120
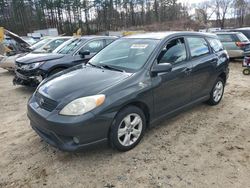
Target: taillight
241,44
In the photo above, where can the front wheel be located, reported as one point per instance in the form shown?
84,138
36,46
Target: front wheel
127,129
217,92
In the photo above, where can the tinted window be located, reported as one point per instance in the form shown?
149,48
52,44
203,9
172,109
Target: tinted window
215,44
226,37
198,46
94,46
174,52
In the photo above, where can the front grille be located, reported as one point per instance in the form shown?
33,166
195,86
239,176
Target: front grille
45,103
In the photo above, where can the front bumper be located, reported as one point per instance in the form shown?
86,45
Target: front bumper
59,131
10,66
30,80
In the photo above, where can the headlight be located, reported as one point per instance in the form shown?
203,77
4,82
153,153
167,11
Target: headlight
32,66
82,105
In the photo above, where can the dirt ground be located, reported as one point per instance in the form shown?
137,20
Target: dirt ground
203,147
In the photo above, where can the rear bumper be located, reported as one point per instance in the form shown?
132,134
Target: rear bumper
235,53
61,131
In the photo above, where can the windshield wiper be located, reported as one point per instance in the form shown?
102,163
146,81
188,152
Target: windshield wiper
112,68
93,65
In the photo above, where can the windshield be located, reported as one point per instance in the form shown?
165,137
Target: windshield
40,44
71,46
125,54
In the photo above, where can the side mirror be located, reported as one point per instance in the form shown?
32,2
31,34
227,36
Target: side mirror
162,67
84,53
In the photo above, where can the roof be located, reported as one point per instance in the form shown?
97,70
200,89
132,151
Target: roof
162,35
88,37
227,32
242,28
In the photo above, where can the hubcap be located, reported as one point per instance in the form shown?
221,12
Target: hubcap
130,129
218,91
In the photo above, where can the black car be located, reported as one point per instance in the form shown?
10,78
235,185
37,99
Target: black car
127,87
33,68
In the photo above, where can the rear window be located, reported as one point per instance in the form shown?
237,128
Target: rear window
242,37
226,37
215,44
198,46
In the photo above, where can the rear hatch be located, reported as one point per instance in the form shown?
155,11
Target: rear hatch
243,42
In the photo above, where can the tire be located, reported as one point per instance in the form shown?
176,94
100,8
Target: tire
54,71
130,135
217,92
246,71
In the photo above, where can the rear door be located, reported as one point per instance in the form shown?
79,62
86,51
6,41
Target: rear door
204,63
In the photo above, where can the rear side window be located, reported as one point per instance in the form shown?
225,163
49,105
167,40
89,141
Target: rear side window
242,37
246,33
226,38
215,44
198,46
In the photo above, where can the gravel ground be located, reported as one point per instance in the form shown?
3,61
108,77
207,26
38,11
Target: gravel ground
202,147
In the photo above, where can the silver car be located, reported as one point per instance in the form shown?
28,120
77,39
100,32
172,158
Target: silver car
235,43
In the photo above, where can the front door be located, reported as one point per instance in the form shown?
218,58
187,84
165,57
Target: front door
93,47
173,89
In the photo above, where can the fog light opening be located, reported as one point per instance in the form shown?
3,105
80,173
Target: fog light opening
76,140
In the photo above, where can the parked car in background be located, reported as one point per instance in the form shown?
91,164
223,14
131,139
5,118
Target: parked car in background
33,68
29,40
244,30
127,87
47,45
235,43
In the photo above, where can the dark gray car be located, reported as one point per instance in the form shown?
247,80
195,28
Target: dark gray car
127,87
32,68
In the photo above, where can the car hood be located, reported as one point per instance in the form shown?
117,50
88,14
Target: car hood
80,81
32,58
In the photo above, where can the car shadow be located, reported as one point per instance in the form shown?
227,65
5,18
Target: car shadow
25,90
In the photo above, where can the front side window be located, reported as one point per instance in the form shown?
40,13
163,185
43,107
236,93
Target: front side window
198,46
173,52
126,54
71,47
215,44
108,41
94,46
54,44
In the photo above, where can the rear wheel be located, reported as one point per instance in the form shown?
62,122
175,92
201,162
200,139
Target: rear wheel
217,92
127,129
246,71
